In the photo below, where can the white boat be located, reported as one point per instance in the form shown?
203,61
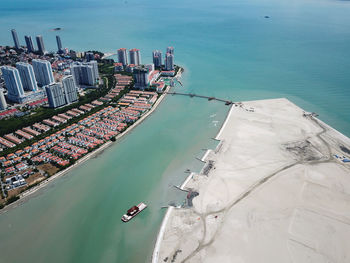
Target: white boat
133,211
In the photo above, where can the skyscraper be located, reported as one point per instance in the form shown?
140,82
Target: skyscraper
13,83
43,72
85,74
157,58
55,95
169,61
89,56
170,50
26,73
94,64
135,56
3,104
15,38
122,56
29,43
70,90
141,77
40,43
59,44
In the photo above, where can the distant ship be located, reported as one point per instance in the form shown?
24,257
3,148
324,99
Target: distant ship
57,29
133,211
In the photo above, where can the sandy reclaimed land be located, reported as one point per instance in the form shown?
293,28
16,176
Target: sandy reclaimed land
275,193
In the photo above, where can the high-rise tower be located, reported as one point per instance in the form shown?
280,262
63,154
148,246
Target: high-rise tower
170,50
169,61
141,77
3,104
70,90
89,56
13,83
157,58
15,38
40,43
43,72
26,73
29,43
59,44
122,56
85,74
55,95
135,56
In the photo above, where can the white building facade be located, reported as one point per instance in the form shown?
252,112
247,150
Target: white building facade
13,83
43,72
27,75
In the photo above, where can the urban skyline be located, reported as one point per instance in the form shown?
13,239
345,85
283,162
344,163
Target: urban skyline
35,76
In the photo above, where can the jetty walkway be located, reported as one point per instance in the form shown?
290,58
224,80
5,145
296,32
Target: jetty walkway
227,102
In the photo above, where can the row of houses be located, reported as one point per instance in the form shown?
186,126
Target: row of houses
76,140
122,82
12,139
73,141
49,158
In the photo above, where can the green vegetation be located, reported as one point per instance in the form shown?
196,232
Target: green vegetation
106,68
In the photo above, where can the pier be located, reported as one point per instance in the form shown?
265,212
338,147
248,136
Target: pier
192,95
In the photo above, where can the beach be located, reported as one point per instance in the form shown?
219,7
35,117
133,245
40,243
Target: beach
276,192
108,54
26,194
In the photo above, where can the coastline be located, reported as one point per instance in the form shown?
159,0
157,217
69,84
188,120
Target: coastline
170,209
175,239
27,194
155,254
107,55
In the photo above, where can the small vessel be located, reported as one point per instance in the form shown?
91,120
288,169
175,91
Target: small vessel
133,211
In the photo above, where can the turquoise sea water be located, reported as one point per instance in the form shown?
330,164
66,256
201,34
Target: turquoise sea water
228,50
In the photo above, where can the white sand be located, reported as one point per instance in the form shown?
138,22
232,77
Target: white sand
108,54
275,194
